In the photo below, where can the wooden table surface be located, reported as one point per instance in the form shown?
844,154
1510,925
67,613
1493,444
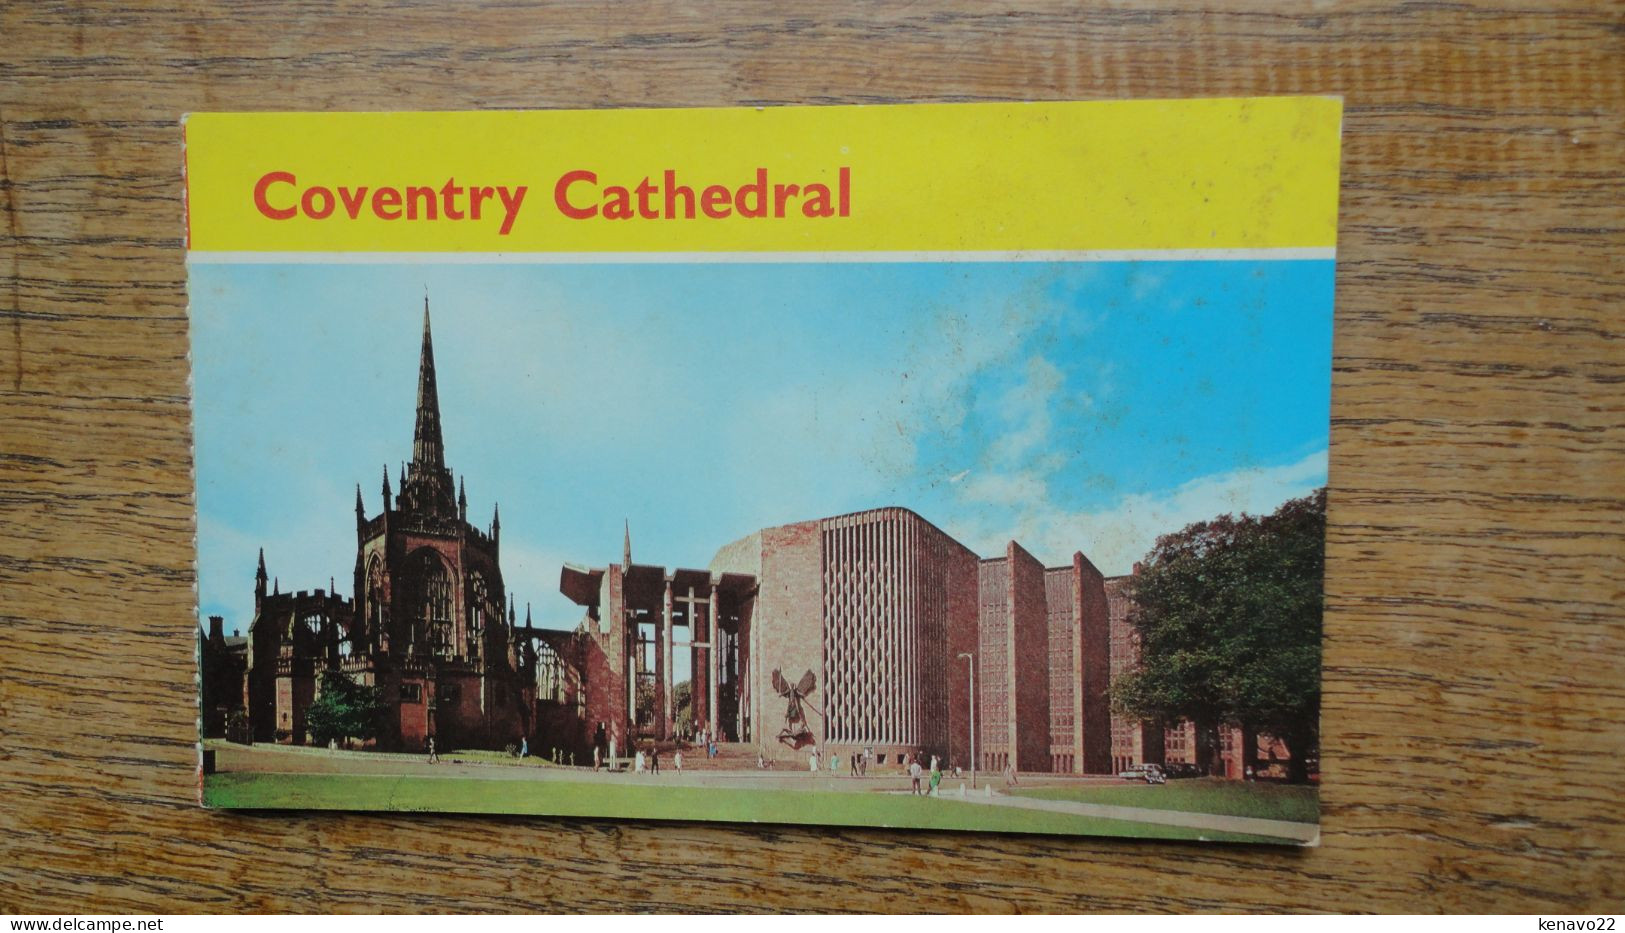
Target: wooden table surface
1475,652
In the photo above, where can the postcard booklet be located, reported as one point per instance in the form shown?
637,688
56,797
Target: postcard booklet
942,466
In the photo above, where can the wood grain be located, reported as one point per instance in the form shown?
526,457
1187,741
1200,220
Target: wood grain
1475,649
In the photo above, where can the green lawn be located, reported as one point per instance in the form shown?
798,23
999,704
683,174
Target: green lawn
1200,795
561,798
496,758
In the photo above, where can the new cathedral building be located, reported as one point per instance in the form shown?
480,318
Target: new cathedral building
883,615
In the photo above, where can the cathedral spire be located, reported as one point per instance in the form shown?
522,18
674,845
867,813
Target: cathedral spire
462,500
387,493
427,487
626,544
259,576
428,452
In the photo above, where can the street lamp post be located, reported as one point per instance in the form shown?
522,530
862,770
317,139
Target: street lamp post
970,665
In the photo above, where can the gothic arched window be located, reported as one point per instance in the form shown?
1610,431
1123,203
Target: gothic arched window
549,674
376,617
477,610
430,612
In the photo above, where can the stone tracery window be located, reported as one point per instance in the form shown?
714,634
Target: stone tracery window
549,674
430,613
476,615
376,617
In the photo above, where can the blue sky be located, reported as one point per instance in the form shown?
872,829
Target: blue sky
1071,406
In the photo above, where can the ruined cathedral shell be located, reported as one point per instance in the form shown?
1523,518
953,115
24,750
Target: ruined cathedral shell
430,625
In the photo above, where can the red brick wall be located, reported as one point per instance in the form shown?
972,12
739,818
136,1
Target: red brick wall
412,716
459,716
290,715
744,556
1029,651
994,685
1061,595
1094,649
960,571
787,631
606,662
1180,743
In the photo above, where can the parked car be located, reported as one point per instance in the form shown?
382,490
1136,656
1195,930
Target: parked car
1155,775
1132,773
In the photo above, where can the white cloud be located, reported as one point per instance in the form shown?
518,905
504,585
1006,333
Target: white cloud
1113,539
1025,410
1011,488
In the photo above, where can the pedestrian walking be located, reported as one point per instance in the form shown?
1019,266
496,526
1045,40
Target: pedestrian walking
434,759
654,760
914,770
677,759
936,776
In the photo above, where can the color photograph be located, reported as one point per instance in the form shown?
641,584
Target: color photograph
1024,545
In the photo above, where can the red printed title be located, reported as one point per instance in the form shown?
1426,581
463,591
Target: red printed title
577,195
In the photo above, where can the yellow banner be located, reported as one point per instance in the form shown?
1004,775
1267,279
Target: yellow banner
1227,174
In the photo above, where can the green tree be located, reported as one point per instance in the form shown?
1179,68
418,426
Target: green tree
682,702
344,709
1228,613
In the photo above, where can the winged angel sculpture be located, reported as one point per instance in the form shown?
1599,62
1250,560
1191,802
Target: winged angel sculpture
796,733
